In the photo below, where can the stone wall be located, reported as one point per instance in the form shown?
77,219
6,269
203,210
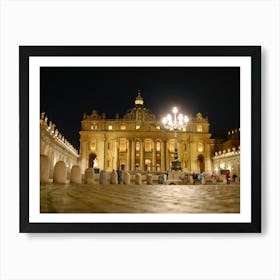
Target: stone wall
55,147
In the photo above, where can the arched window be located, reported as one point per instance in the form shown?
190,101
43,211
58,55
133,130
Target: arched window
137,146
93,145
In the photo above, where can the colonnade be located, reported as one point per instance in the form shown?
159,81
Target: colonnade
140,153
138,157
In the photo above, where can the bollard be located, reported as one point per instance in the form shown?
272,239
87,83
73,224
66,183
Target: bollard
60,173
203,180
191,179
114,177
126,178
103,177
138,179
149,179
89,176
75,176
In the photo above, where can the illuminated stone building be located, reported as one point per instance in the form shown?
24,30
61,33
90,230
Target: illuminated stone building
54,147
138,141
227,154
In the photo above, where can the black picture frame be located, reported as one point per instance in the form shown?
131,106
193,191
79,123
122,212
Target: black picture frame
254,52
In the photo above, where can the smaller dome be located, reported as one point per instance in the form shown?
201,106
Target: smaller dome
139,100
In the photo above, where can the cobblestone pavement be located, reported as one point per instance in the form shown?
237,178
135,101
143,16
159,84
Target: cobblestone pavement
140,198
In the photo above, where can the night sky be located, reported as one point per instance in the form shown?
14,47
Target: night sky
68,92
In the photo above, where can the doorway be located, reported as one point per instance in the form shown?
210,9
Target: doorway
91,160
201,163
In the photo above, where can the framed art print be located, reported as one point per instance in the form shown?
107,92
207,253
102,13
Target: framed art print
140,138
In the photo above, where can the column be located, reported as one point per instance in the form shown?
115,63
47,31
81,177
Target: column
190,156
51,162
133,154
128,155
83,154
117,155
162,155
154,162
167,157
141,155
105,153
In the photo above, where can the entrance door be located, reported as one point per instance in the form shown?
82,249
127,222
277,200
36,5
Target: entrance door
201,163
147,165
91,159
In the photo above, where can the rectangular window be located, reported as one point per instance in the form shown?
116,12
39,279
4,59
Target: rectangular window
110,127
137,127
137,146
148,146
123,127
199,128
123,145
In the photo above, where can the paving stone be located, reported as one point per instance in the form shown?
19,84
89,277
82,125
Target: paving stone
115,198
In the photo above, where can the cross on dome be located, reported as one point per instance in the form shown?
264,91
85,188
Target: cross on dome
139,99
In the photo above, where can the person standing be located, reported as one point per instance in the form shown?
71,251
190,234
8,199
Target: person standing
119,172
194,178
200,177
228,177
164,177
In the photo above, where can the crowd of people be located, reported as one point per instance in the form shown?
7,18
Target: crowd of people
162,178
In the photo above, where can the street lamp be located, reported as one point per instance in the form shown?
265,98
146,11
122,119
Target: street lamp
175,122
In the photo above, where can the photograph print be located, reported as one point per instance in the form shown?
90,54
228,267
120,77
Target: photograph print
132,141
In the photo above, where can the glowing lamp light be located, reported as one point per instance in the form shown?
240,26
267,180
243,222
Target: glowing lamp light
175,122
175,110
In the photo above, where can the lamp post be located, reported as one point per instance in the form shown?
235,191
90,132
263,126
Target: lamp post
177,122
